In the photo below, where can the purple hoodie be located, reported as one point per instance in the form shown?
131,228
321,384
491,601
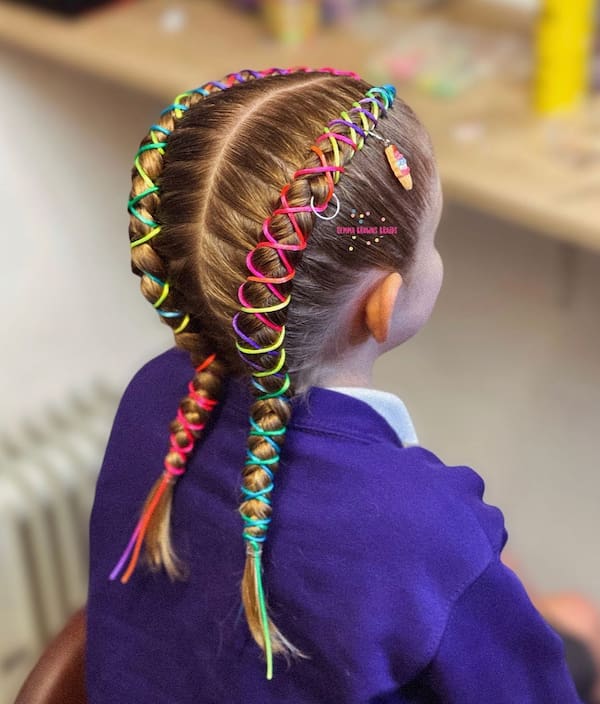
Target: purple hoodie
381,564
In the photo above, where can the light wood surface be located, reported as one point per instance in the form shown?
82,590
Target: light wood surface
543,175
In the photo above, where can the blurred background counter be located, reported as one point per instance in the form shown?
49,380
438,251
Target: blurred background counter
466,67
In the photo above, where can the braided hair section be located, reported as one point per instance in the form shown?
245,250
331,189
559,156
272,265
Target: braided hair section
154,525
260,328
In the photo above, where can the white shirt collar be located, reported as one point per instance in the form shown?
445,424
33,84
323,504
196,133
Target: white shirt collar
388,405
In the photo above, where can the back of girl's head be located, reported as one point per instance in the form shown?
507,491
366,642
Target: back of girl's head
232,167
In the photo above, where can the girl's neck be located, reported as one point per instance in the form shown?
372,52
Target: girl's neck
355,369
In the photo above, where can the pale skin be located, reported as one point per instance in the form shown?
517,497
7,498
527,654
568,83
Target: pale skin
388,309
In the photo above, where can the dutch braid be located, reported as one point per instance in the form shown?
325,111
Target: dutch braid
286,234
153,528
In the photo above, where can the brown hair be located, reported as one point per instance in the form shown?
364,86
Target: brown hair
219,178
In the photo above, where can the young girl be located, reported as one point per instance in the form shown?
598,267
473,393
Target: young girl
282,223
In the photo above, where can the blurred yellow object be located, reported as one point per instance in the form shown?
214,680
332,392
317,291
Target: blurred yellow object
563,54
291,21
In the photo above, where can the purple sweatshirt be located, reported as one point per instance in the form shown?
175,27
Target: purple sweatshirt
382,564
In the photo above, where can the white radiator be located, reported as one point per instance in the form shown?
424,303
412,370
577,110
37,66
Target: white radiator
47,479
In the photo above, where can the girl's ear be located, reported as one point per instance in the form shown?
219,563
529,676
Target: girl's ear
380,305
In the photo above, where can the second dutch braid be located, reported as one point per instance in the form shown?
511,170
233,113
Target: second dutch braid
286,233
153,527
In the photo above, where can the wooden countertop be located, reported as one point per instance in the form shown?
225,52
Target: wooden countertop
544,176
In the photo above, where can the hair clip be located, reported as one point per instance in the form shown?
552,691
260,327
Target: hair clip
396,160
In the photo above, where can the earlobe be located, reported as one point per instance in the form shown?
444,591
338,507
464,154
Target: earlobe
380,306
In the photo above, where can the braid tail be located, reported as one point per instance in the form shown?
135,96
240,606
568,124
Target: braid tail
160,498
